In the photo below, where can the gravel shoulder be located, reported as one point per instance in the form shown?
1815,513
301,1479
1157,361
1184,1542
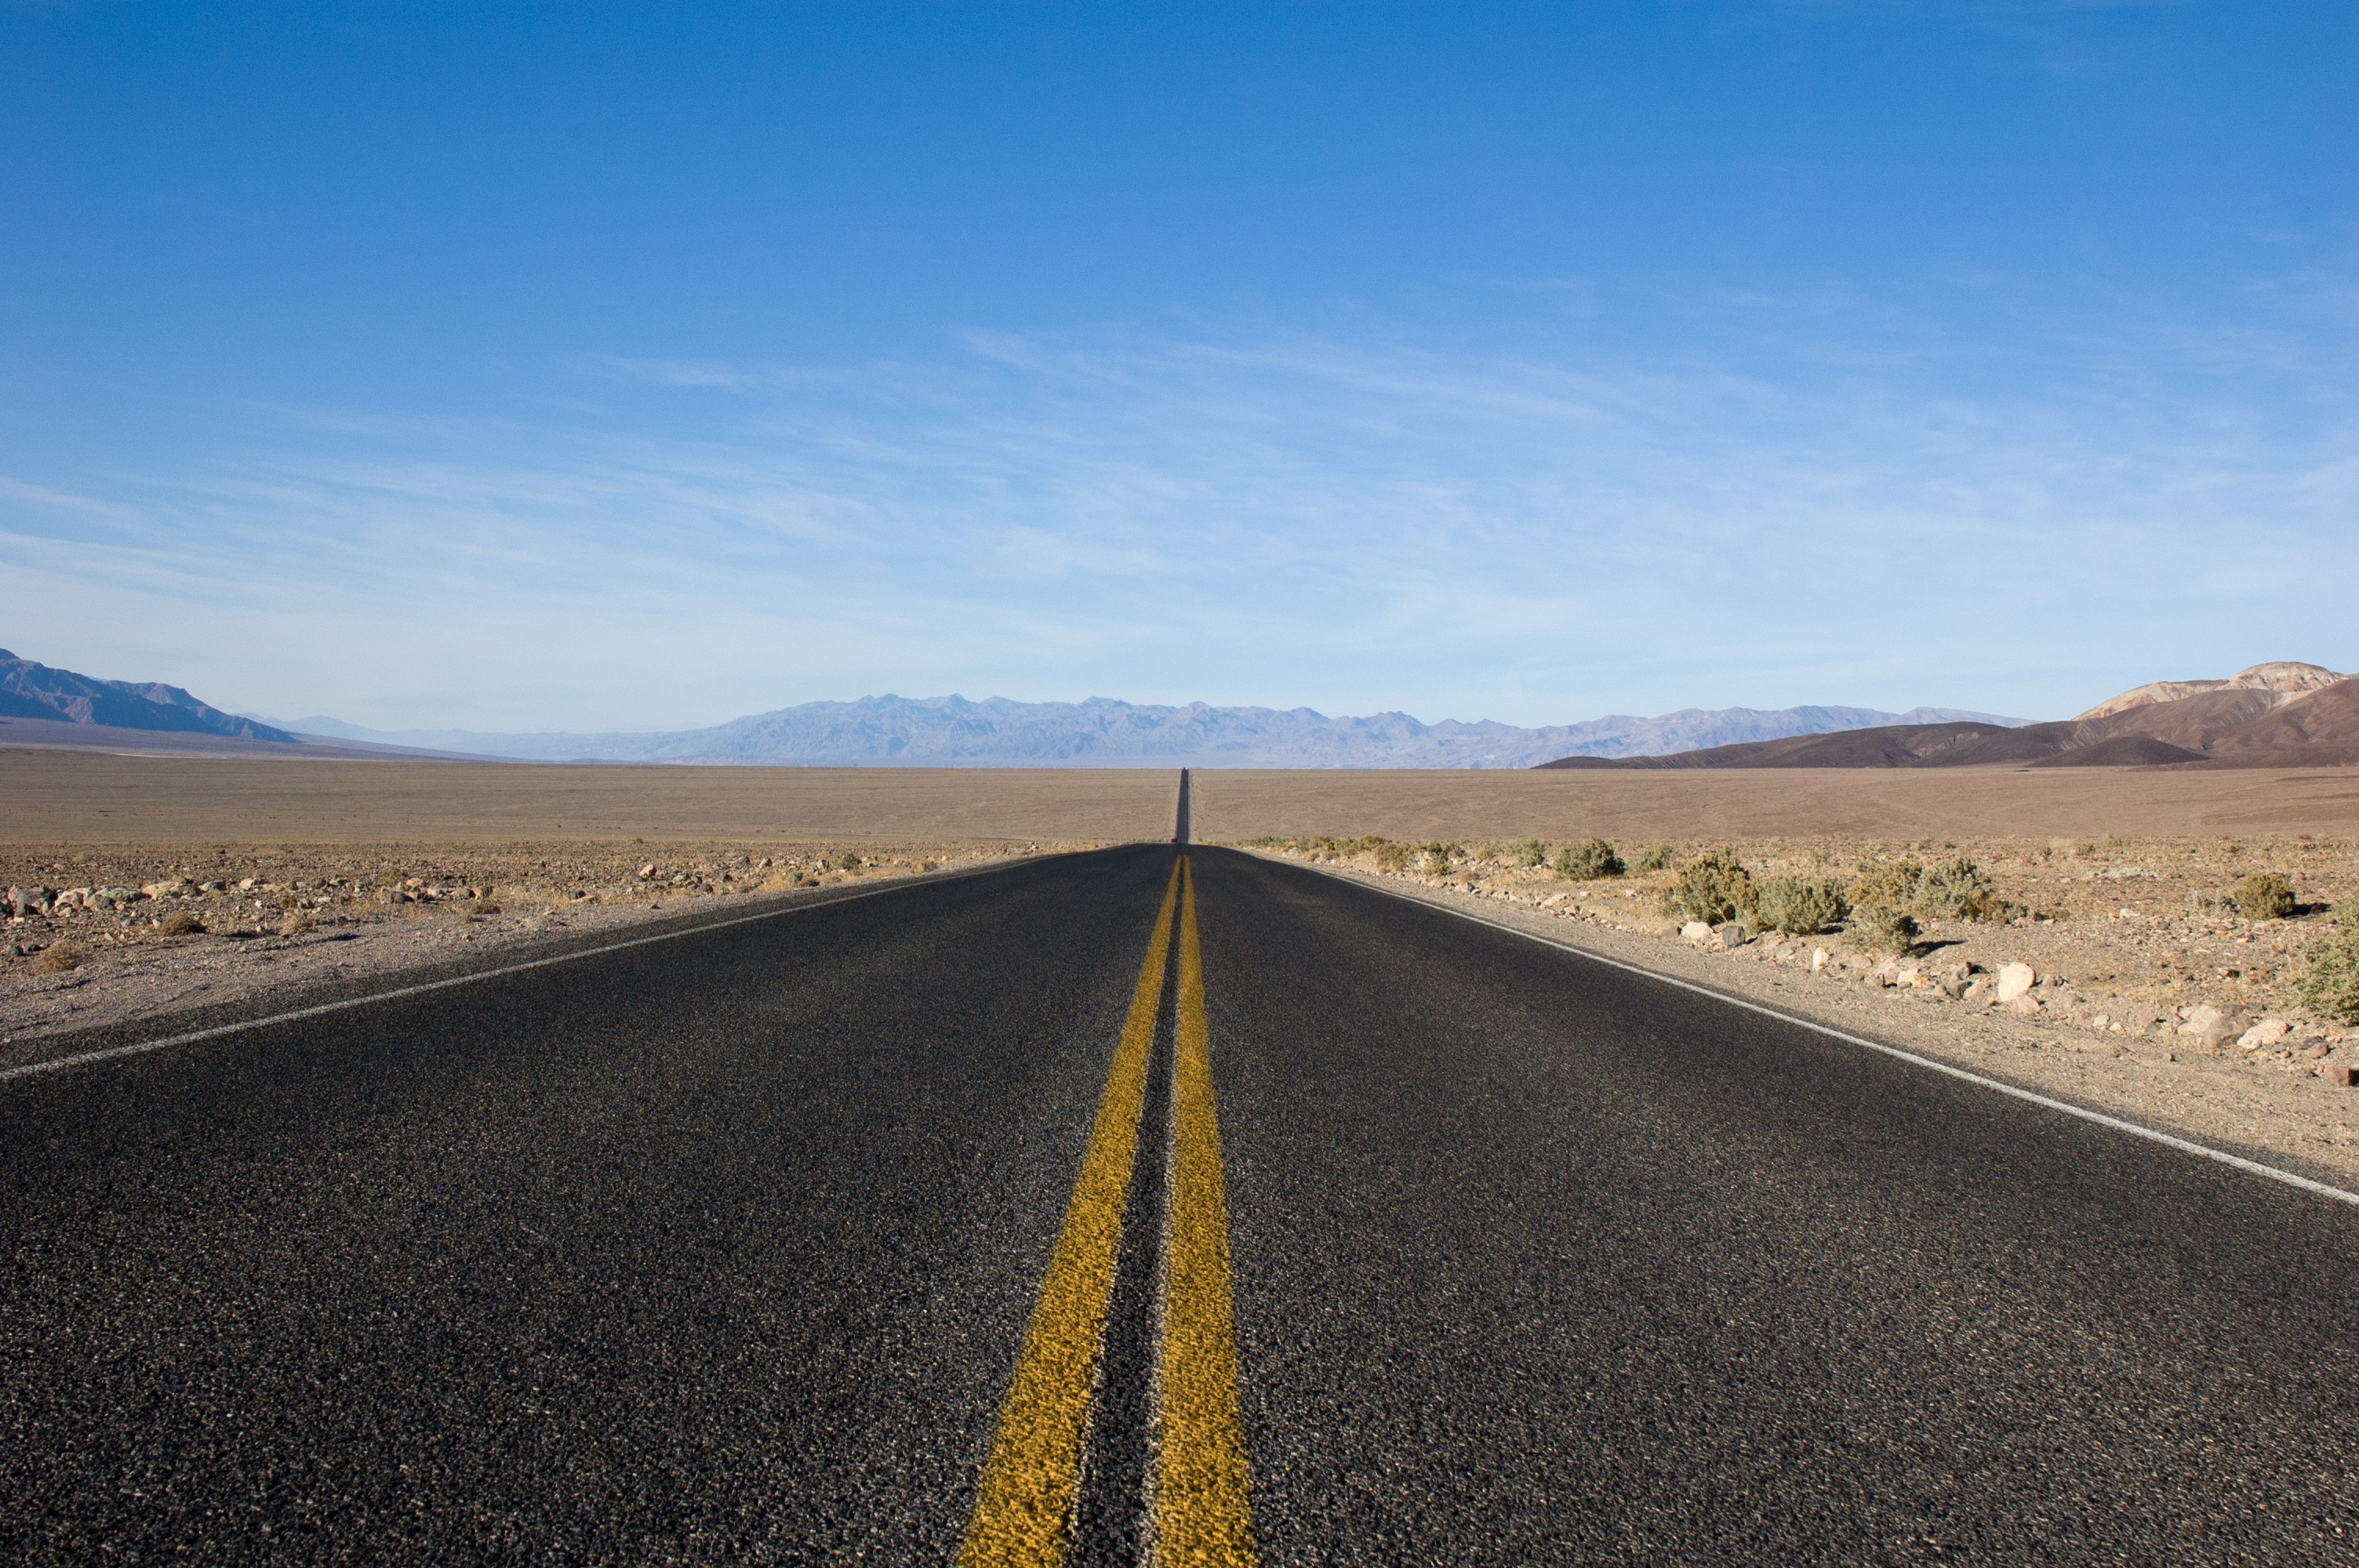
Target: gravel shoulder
2118,960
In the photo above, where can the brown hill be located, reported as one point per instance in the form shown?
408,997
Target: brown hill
2269,716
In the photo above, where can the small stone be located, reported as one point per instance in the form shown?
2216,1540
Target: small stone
1730,936
2195,1019
2013,981
2267,1031
2025,1004
1819,959
647,870
1695,930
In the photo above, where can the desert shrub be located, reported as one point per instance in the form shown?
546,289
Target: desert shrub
1434,858
1392,857
1588,860
1657,859
57,958
1525,853
1947,890
295,925
1886,884
2264,895
2329,984
1958,890
1883,929
1800,905
1713,887
845,861
183,923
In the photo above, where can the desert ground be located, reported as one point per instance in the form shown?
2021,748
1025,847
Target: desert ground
213,882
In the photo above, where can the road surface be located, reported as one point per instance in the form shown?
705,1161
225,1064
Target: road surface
1264,1218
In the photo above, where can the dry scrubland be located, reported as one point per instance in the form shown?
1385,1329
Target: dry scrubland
364,867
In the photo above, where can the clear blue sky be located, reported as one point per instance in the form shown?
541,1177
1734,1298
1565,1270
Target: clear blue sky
575,367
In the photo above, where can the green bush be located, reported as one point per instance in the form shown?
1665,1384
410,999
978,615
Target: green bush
1657,859
1885,930
1799,905
1713,887
1525,853
846,860
1587,861
2264,895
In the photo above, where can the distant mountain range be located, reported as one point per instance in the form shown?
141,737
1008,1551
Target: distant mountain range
2273,715
29,690
950,731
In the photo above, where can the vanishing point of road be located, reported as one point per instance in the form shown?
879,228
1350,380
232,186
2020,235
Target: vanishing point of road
1160,1203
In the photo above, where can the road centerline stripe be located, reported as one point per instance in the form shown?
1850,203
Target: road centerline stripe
1024,1504
1202,1508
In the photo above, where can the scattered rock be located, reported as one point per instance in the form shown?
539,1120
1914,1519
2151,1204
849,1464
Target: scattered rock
1730,935
2195,1019
2014,981
1695,930
1820,958
2025,1004
2267,1031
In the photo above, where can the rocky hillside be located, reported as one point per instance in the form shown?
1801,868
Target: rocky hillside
31,690
2273,715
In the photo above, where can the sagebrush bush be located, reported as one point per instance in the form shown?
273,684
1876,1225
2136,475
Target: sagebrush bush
1657,859
57,958
846,860
1434,858
1885,930
1799,905
295,925
1714,887
1391,857
1525,853
1885,884
1947,890
182,922
2329,983
1588,862
1958,890
2264,895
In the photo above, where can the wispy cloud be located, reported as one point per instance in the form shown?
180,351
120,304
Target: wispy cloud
1812,500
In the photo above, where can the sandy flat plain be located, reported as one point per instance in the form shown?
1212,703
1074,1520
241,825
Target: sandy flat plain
55,797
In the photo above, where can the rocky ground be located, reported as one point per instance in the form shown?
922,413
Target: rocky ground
104,935
2125,983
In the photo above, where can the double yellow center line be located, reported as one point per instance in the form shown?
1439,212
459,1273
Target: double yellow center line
1024,1508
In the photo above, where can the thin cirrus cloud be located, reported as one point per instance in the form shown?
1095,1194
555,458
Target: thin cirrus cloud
1783,509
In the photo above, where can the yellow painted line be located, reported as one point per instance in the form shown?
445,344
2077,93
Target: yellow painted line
1024,1507
1203,1514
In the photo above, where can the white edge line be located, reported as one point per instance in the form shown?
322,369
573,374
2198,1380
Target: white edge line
140,1048
2184,1145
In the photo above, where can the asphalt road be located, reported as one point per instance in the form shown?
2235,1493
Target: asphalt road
724,1249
